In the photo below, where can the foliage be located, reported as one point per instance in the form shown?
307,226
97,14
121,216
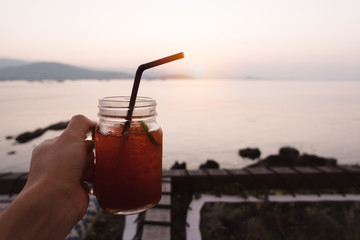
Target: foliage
108,226
270,220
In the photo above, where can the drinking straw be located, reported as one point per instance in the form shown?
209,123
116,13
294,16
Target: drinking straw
137,79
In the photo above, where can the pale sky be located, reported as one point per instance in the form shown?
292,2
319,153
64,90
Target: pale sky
277,39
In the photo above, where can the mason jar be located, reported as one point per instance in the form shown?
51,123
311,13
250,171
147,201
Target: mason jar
128,153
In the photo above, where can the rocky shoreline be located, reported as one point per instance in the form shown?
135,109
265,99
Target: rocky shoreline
287,157
28,136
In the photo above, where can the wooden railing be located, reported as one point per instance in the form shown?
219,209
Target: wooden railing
312,178
157,222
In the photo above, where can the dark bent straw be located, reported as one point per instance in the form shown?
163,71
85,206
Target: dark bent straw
137,79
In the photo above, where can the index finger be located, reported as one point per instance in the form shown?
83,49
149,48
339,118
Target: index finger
79,125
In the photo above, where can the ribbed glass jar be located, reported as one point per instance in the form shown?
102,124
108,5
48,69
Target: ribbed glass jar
128,162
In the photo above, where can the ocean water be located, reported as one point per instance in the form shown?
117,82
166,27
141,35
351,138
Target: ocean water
201,119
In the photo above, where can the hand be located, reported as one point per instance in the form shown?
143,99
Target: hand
60,162
53,199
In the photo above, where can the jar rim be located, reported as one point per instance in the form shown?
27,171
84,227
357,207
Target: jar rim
126,99
123,101
116,108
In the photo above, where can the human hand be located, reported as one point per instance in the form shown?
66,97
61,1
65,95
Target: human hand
53,195
60,162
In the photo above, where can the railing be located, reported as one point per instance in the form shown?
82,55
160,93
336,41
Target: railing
158,220
312,178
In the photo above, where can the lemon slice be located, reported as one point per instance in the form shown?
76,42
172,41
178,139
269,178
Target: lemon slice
149,134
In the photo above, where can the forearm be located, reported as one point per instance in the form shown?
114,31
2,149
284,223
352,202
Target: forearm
52,201
37,213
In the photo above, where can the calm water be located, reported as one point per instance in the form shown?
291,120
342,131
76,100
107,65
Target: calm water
202,119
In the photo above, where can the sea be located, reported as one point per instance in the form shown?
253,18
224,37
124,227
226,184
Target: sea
201,119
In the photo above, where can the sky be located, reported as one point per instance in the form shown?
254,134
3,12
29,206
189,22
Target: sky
277,39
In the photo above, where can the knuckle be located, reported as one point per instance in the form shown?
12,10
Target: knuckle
67,135
36,150
78,117
42,147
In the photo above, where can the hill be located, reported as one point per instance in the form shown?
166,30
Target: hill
55,71
8,62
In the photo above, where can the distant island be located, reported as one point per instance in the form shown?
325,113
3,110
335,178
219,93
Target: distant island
55,71
11,69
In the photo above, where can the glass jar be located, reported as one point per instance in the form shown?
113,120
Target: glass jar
128,168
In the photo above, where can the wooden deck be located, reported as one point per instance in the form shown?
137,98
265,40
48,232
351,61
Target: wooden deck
157,222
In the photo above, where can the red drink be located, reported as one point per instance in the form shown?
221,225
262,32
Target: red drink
128,166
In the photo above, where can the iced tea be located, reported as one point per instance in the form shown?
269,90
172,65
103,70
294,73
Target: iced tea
128,166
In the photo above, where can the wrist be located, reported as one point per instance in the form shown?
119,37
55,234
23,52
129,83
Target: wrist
45,212
67,201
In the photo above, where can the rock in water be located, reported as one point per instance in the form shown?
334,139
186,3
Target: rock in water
179,165
58,126
289,152
210,164
11,153
313,160
252,153
27,136
289,157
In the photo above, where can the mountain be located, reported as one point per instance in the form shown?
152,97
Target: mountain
7,62
55,71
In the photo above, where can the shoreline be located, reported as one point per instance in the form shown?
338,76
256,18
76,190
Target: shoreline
251,157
